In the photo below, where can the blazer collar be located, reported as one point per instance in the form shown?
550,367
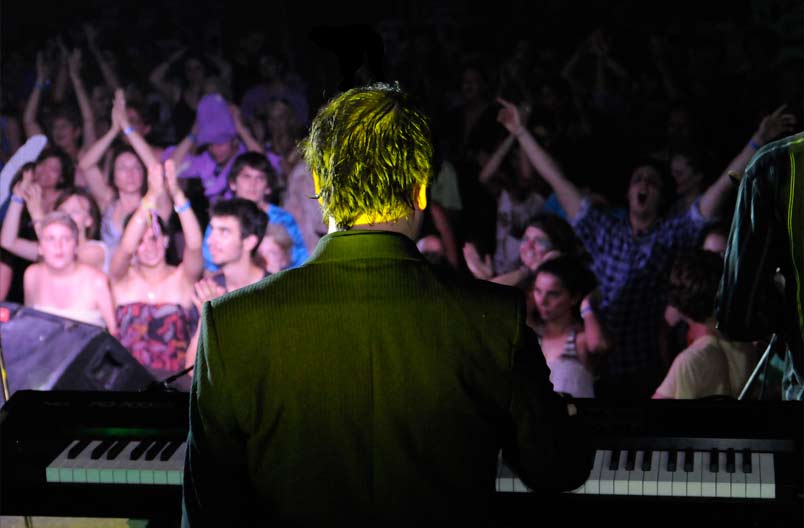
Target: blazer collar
362,244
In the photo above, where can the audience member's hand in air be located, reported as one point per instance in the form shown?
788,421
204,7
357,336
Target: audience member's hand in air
775,125
480,268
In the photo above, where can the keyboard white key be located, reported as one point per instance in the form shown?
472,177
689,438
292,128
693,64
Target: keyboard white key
679,487
738,478
606,475
621,475
665,481
635,479
722,478
709,478
752,480
592,485
505,477
695,477
767,476
650,483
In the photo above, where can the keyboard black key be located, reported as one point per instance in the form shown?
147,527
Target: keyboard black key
155,449
646,460
671,460
140,449
730,460
614,464
101,449
714,466
77,448
116,449
169,450
747,467
689,458
630,460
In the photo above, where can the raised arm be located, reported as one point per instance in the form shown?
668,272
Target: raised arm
492,165
771,127
9,234
62,73
87,115
106,69
192,262
140,146
595,337
140,220
184,148
136,140
29,122
242,130
567,193
157,77
101,191
224,68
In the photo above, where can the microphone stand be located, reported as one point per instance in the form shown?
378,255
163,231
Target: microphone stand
163,384
763,362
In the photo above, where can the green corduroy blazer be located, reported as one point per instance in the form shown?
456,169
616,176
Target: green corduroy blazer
368,386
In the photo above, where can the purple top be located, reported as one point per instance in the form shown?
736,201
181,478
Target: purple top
201,165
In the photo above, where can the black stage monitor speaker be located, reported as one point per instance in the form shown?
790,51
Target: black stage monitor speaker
47,352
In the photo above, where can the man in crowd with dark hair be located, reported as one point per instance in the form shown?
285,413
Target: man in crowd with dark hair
711,364
252,178
365,386
236,228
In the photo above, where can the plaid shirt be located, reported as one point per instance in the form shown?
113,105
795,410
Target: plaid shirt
633,275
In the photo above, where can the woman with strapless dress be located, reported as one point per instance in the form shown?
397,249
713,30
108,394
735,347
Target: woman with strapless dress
155,313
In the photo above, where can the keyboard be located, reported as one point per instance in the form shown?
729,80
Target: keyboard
678,462
93,454
665,463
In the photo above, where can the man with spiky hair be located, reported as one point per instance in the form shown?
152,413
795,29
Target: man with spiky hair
365,386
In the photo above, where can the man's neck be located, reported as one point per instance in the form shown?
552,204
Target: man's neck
698,330
408,226
66,271
240,273
640,224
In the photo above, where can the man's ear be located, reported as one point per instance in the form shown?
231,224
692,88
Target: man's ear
421,197
250,242
317,187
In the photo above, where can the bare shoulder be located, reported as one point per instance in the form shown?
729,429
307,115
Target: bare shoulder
91,274
33,272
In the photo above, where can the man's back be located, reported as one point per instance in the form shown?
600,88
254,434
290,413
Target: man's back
766,236
365,385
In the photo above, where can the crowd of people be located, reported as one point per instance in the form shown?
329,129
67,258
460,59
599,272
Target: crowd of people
159,191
